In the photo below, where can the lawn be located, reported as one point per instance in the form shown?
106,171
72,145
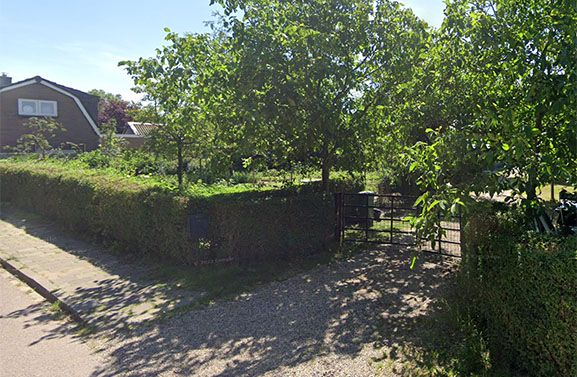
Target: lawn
545,191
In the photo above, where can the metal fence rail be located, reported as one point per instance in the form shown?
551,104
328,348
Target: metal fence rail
383,219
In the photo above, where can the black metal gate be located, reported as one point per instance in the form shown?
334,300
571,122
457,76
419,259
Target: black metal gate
383,219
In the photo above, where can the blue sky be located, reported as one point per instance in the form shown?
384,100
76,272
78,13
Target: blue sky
79,43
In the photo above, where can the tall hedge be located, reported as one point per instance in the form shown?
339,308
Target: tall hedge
522,288
141,218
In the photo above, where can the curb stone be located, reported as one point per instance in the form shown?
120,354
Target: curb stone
42,291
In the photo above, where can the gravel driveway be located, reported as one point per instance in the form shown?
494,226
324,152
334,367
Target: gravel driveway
332,321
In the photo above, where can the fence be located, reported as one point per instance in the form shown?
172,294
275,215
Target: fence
384,219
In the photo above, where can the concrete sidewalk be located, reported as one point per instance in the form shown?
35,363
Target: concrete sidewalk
106,291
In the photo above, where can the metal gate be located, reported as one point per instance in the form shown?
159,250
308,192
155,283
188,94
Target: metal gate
382,219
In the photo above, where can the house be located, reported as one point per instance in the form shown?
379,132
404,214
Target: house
77,111
141,129
135,133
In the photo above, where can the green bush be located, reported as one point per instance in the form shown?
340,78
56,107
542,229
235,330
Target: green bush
136,162
522,289
143,216
94,159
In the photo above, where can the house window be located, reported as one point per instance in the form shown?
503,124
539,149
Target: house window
33,107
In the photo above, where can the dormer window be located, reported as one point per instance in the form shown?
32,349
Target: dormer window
33,107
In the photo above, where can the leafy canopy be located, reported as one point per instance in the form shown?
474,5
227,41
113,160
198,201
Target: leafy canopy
497,97
42,130
305,74
173,81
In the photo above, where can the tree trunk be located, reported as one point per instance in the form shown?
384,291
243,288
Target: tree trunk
326,170
180,167
531,188
326,167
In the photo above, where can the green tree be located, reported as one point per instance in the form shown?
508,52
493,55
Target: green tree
111,145
38,140
306,75
105,96
174,80
146,114
495,101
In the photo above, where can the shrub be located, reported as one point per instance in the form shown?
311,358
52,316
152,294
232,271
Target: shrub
94,159
42,130
136,162
145,217
397,180
522,288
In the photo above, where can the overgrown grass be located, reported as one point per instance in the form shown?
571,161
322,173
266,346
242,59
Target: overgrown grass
164,183
238,182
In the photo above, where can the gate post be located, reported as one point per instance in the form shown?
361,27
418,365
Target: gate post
460,232
339,217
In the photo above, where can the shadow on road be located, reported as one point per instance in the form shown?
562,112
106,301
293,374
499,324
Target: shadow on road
331,321
109,291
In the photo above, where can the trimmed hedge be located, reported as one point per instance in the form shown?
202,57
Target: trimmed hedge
144,218
522,288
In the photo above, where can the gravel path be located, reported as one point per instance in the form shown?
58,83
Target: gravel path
324,323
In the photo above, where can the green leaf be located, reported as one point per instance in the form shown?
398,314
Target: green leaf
420,199
413,262
433,205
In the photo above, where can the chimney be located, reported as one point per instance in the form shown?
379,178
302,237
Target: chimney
5,80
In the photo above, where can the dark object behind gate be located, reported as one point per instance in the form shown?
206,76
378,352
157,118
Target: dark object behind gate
382,219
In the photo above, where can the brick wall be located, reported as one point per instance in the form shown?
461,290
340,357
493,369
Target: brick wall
79,130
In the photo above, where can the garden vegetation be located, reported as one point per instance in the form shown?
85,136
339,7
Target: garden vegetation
281,89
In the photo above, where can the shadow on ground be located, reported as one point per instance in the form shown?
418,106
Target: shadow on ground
334,319
117,293
35,313
331,321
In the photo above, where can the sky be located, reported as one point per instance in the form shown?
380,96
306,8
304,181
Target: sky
79,43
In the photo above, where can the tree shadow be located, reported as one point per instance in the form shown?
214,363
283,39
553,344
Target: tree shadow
348,310
125,295
335,312
38,312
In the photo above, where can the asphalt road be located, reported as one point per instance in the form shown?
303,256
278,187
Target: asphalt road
33,343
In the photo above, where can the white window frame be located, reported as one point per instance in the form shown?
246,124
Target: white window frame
38,107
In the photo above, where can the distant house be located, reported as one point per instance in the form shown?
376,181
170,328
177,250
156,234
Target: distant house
141,129
135,133
38,97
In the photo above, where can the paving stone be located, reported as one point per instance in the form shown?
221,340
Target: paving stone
107,291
